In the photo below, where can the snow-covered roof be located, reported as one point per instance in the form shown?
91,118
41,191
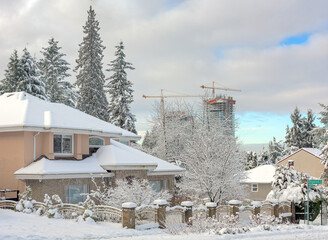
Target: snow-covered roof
50,169
314,151
115,156
22,110
260,174
120,156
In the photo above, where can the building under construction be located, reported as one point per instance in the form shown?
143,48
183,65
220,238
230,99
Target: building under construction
222,109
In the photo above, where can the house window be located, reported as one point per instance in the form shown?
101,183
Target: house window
76,193
156,185
166,184
290,163
63,144
254,187
96,142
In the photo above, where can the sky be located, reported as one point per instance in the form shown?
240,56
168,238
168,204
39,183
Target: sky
276,52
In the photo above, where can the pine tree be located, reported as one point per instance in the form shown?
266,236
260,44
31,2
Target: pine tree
53,71
322,133
90,77
309,126
275,151
263,158
12,74
29,80
120,92
295,135
251,160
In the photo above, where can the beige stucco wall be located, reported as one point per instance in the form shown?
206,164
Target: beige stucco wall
261,194
306,163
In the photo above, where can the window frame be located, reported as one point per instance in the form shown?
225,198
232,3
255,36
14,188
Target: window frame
61,153
95,146
252,187
152,184
81,186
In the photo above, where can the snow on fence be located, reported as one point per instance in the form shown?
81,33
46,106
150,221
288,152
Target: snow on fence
164,215
8,204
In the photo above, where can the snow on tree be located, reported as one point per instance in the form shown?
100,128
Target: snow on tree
309,126
276,151
322,134
291,185
90,78
53,71
214,164
251,160
88,213
51,206
120,92
263,158
29,80
134,190
295,134
12,74
25,203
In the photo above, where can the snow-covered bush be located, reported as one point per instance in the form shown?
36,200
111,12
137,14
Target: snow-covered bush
88,214
51,206
266,222
26,202
138,191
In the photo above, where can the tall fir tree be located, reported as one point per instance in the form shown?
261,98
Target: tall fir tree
251,160
295,135
275,151
309,126
90,78
53,71
29,79
12,74
322,133
120,92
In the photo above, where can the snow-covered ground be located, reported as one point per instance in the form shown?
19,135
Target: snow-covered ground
14,225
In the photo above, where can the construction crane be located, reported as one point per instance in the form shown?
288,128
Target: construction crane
224,89
162,96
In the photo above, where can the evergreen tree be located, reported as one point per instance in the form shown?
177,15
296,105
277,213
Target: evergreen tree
12,74
263,158
90,77
294,137
322,133
309,126
120,92
275,151
53,71
251,160
29,80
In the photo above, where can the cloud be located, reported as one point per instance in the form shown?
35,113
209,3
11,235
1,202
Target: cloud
183,45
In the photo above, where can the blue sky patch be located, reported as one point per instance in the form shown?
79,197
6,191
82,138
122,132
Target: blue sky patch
296,39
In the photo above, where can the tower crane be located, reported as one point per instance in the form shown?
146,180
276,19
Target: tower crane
224,89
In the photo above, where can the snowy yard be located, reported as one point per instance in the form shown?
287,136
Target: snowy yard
14,225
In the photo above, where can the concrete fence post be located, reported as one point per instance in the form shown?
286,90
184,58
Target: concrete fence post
235,206
293,211
211,207
129,215
257,207
275,208
188,213
161,212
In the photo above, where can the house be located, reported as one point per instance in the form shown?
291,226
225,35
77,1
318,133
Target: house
258,182
305,160
57,149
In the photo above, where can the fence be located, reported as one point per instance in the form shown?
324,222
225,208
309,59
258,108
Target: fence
160,212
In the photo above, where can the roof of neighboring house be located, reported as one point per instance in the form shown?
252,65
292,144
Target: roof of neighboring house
21,110
115,156
314,151
260,174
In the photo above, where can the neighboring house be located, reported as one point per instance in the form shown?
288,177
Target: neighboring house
56,149
305,160
258,182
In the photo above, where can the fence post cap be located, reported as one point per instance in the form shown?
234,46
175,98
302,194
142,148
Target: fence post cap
187,203
256,204
160,202
234,202
210,204
129,205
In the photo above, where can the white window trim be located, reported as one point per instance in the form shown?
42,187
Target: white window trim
64,154
257,187
98,138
